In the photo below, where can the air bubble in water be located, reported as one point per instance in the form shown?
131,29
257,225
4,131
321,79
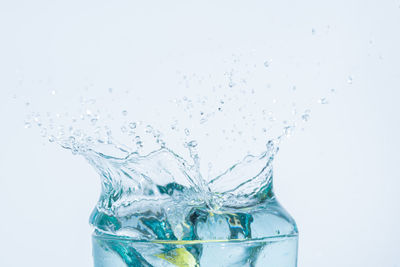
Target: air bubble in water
124,112
132,125
266,63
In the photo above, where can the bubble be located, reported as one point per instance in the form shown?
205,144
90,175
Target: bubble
333,90
294,88
266,63
110,90
123,129
132,125
313,31
124,112
27,104
94,121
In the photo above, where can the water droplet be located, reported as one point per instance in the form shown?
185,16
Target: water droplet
192,143
132,125
187,132
124,112
149,129
27,125
43,132
139,144
349,80
305,117
288,131
52,138
323,101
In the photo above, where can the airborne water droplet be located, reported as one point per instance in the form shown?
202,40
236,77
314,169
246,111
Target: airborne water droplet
187,132
132,125
305,117
349,80
323,101
288,130
149,129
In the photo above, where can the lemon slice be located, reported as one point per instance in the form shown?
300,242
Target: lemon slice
180,257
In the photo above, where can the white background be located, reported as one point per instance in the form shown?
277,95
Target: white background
339,178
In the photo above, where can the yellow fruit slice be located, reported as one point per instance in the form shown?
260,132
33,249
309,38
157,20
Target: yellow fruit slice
180,257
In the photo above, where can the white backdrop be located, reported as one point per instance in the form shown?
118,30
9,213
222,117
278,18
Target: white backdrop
338,177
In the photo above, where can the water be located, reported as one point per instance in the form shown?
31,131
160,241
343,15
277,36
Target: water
276,251
158,210
192,202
